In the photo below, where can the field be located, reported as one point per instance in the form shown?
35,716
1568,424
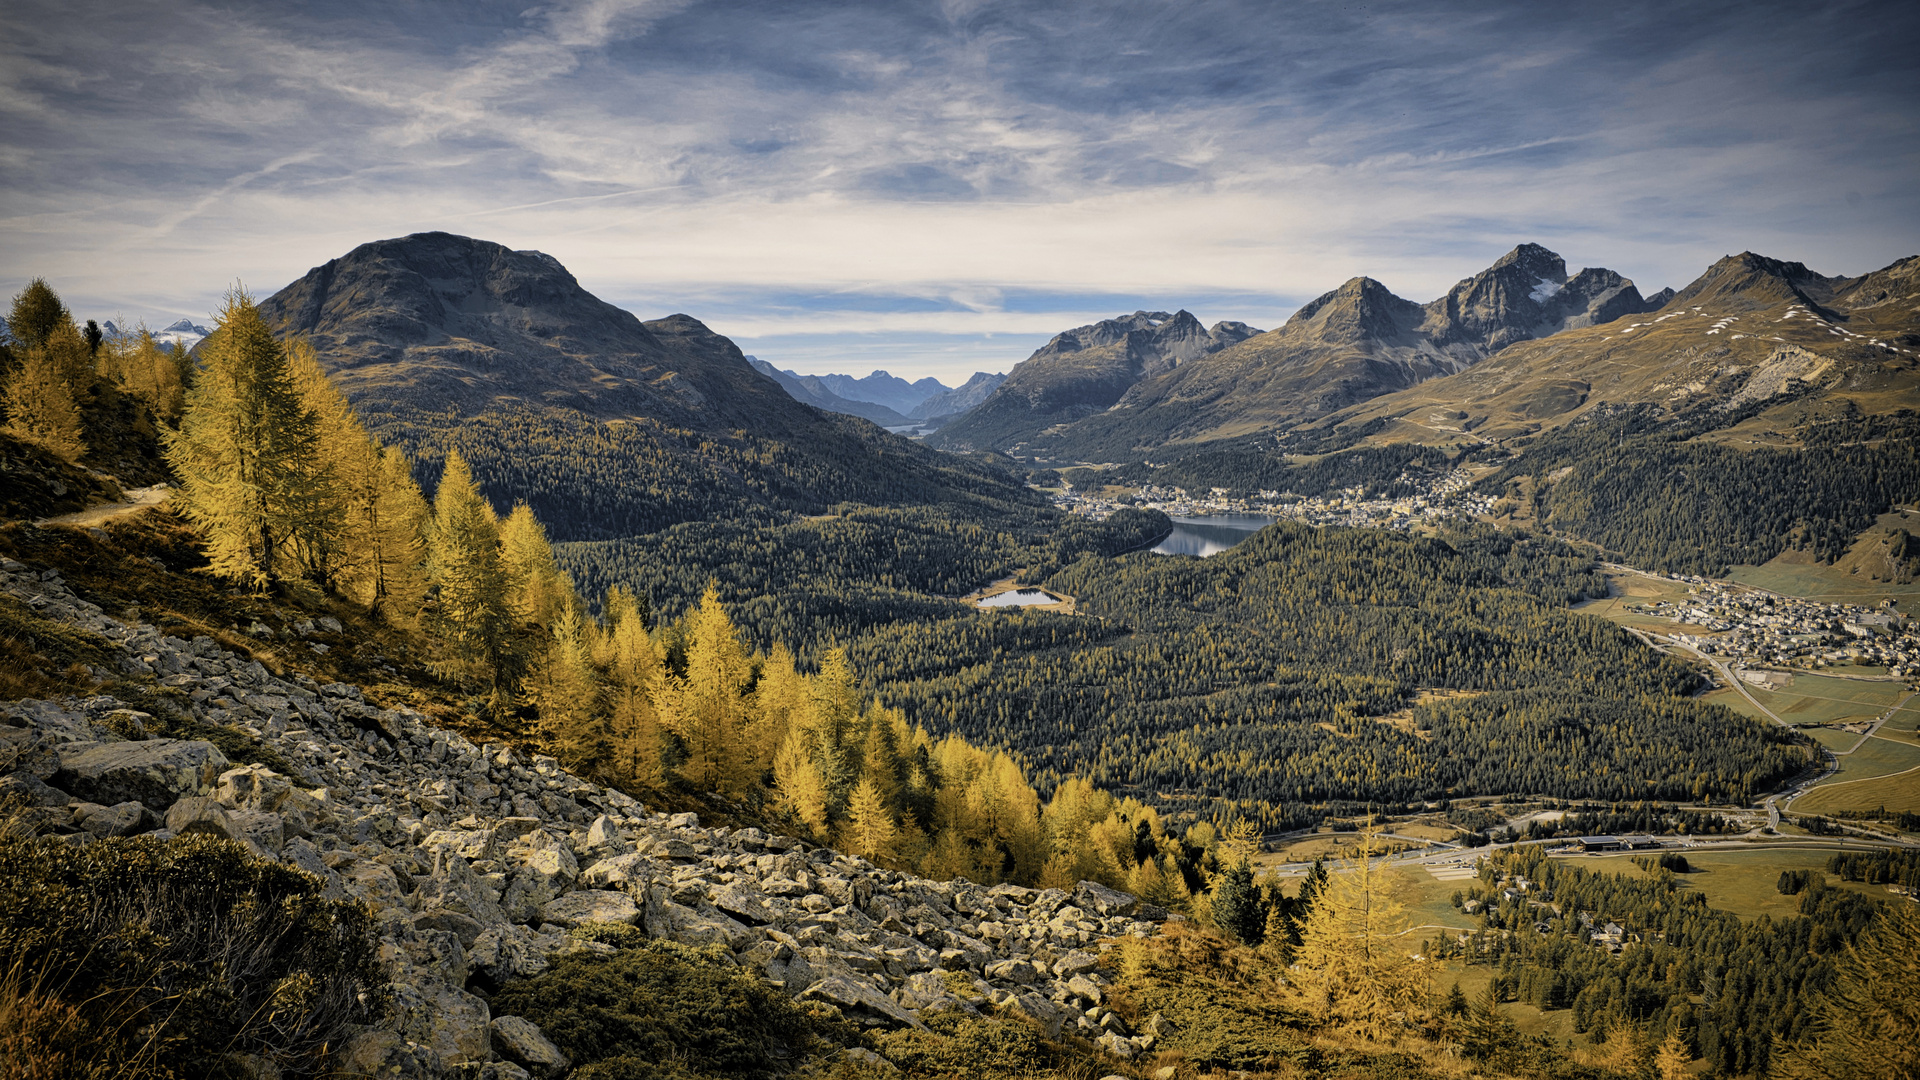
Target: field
1901,791
1833,584
1742,882
1819,699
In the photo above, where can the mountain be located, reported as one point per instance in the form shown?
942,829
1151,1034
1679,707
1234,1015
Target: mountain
1085,371
1753,333
1347,346
811,389
607,425
881,388
959,399
180,332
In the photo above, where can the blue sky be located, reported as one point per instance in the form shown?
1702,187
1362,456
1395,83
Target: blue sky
936,188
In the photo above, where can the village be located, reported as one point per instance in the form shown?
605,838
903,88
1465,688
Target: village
1770,628
1432,501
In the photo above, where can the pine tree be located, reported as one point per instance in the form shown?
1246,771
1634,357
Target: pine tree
1351,943
870,828
470,609
245,449
1236,906
1456,1002
802,788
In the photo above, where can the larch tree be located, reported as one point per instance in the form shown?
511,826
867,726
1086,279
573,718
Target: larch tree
1353,949
636,677
35,312
40,407
536,590
391,574
562,688
245,450
1865,1020
470,610
708,709
344,479
870,829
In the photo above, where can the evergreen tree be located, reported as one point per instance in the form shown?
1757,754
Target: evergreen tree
470,607
343,481
391,574
1671,1061
1456,1002
245,450
1237,909
802,788
562,689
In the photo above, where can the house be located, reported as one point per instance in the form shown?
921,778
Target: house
1600,843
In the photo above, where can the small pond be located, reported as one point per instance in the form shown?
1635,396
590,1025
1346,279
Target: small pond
1020,598
1204,536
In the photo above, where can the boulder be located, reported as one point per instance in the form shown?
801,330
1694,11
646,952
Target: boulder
605,834
617,871
199,814
24,787
591,905
522,1042
1097,898
1076,962
1013,971
125,819
861,1002
445,1019
155,771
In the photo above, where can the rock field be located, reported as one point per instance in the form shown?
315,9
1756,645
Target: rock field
479,860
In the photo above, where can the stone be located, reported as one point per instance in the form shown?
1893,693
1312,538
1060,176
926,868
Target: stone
262,827
1118,1045
124,819
1095,897
445,1019
860,1001
199,814
1084,989
684,821
742,905
1015,971
24,787
155,771
604,833
385,1054
617,871
591,905
522,1042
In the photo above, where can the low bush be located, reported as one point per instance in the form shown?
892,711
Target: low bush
665,1010
147,957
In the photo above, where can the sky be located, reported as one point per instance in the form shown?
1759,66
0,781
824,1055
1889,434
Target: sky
936,188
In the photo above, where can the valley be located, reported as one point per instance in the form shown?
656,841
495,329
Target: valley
1223,673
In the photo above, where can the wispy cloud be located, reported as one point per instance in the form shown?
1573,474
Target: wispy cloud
729,153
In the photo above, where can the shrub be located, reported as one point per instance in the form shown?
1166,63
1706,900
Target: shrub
171,956
660,1009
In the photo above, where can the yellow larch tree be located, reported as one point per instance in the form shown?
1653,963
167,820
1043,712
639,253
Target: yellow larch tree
1358,968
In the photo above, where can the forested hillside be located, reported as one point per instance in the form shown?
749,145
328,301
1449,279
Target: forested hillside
1286,675
1658,497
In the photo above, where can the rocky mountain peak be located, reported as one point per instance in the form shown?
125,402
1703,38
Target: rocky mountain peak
1526,294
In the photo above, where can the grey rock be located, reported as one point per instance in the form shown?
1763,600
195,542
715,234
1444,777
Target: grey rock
31,790
1095,897
591,905
124,819
1076,962
199,814
154,772
522,1042
1014,971
860,1001
618,871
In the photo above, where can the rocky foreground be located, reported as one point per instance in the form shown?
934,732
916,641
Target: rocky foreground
479,861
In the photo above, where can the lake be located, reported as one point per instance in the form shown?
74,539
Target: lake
1020,598
1204,536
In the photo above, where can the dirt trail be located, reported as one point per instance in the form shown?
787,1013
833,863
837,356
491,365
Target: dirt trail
137,499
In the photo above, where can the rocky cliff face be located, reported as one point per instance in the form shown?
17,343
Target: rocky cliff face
1083,371
961,398
478,861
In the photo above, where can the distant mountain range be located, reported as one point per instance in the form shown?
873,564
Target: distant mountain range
608,425
1123,387
882,398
